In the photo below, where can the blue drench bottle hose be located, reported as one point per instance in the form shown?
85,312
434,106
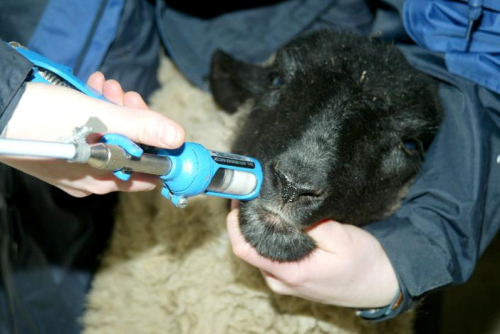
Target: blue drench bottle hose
185,172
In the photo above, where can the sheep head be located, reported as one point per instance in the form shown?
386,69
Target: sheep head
340,124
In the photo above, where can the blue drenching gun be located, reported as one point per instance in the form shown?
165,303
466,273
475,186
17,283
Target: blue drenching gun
195,168
185,172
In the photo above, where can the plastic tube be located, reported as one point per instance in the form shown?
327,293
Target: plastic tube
233,182
33,148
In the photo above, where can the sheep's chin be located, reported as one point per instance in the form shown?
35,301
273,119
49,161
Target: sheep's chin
273,236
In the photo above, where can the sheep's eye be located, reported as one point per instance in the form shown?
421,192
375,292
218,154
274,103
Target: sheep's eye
412,147
275,80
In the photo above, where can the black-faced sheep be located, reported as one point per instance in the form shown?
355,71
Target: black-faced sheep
338,122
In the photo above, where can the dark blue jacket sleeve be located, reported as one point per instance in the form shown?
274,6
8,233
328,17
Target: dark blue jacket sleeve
452,210
14,69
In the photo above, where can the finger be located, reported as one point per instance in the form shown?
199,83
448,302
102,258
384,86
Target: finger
139,182
134,100
145,127
276,285
78,193
328,234
235,204
240,247
112,90
107,183
161,132
96,81
247,253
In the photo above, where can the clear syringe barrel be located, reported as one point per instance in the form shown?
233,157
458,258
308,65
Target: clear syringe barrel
233,182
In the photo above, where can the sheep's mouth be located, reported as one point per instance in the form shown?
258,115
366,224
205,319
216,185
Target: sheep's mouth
274,217
273,235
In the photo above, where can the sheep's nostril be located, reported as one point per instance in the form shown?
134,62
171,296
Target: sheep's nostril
292,191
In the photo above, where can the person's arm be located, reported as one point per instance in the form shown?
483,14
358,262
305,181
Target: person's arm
46,112
451,212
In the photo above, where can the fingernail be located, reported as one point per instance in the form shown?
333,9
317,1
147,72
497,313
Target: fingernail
171,136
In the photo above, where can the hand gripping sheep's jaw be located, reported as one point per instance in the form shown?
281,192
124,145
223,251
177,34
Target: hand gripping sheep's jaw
339,134
272,235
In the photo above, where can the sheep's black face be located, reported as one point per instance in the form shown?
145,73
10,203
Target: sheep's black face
339,124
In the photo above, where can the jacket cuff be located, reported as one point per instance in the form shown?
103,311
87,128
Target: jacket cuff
420,265
14,69
401,303
9,110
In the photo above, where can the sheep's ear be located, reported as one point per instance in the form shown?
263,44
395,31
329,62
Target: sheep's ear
233,82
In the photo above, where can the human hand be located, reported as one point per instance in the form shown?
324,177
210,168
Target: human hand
349,268
48,113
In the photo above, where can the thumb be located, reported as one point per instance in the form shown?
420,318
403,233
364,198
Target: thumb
113,91
143,126
329,235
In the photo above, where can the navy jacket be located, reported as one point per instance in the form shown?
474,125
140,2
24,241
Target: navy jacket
451,213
